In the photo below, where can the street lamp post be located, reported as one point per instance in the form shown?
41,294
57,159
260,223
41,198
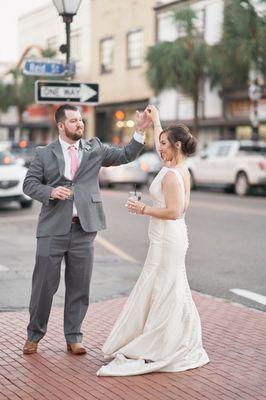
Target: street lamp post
255,93
67,9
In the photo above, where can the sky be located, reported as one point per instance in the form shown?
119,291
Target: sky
11,10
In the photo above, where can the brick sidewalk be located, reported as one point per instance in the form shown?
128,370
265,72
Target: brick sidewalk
234,337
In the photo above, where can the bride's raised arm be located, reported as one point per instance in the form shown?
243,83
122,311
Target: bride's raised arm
157,127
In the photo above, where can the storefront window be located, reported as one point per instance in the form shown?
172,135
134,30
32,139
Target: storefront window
106,55
135,49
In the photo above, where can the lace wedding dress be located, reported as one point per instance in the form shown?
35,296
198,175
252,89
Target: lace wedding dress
159,327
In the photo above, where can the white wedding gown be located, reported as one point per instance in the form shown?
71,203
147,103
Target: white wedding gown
159,327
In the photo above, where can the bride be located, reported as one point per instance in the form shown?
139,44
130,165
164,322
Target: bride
159,327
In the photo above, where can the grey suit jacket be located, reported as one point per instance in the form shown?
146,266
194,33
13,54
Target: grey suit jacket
47,171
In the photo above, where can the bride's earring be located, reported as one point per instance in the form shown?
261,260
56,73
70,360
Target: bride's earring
178,150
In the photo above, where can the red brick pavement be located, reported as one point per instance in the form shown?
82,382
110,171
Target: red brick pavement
234,337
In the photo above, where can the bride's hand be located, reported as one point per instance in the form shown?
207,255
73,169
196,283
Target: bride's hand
134,206
153,113
142,120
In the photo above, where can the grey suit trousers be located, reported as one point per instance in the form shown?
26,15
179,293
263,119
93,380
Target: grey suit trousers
77,249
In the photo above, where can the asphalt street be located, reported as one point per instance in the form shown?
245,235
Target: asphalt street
227,250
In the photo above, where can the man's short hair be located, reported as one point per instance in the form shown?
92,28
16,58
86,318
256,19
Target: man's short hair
60,112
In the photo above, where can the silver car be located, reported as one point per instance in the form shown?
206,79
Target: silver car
237,165
11,181
130,173
151,163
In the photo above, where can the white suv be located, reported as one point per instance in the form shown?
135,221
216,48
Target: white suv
11,181
230,164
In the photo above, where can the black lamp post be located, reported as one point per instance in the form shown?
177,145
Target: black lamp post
255,93
67,9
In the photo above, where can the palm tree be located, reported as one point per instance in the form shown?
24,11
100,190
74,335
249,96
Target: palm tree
19,91
180,64
242,46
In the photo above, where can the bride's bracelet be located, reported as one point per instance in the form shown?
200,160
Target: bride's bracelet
142,208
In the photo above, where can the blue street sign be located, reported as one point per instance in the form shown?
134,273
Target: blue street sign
48,67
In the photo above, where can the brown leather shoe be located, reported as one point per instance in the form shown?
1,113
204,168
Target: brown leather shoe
76,348
30,347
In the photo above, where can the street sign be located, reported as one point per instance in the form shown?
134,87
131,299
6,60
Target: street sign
48,67
64,91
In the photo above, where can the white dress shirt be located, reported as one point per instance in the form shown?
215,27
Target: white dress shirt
139,137
67,158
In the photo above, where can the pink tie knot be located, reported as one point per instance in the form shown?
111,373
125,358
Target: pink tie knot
74,160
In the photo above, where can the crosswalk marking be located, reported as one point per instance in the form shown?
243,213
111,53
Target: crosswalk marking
3,268
259,298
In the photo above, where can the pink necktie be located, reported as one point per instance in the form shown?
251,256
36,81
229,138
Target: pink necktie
74,160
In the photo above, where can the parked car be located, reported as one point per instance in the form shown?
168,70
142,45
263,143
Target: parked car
23,151
126,173
5,145
151,163
11,181
230,164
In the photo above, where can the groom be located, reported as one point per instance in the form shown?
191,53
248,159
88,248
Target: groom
68,224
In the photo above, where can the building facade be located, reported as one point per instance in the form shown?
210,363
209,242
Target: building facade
220,116
122,32
42,29
45,28
109,42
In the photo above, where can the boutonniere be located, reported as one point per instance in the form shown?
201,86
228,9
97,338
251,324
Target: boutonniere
87,147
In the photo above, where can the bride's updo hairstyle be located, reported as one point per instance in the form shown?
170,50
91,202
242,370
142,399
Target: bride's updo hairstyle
181,133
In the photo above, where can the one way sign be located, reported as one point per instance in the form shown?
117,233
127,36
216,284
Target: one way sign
63,91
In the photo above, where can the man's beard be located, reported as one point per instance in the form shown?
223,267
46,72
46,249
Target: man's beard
73,135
